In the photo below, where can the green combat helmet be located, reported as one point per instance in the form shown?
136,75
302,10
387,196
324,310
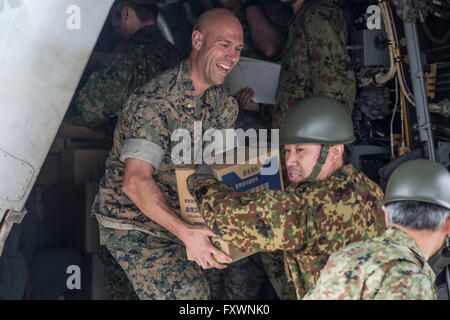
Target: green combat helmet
419,180
319,120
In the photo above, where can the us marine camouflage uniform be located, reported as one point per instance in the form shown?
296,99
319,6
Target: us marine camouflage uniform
308,221
132,64
117,285
154,259
315,60
389,267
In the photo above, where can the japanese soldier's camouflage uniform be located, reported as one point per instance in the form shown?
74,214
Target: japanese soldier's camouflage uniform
315,59
388,267
314,62
133,63
308,221
391,266
154,259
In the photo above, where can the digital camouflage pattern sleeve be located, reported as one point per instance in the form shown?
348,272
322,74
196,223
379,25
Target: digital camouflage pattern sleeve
309,221
390,267
105,91
132,64
250,220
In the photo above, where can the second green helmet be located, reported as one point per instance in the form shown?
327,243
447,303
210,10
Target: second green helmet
419,180
318,119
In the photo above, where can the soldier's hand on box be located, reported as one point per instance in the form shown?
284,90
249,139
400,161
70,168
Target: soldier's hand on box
202,171
244,97
198,243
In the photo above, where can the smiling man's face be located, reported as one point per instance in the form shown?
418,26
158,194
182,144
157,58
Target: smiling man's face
220,51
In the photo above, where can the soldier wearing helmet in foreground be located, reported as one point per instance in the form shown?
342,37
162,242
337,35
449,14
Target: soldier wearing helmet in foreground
394,265
327,205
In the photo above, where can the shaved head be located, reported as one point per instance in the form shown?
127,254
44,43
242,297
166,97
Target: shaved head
212,19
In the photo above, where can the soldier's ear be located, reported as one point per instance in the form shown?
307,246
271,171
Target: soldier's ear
336,152
447,225
386,217
197,40
126,13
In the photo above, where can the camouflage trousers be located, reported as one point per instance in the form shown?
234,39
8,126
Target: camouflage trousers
117,285
157,268
273,263
245,279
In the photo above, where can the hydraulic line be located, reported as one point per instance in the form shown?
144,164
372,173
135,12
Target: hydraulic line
381,78
405,116
392,120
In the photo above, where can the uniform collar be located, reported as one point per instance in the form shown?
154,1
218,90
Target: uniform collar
145,32
399,236
345,171
194,105
341,174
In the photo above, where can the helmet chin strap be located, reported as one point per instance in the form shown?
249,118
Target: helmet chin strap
320,162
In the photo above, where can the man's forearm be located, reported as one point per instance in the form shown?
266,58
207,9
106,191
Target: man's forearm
266,38
147,196
251,221
142,189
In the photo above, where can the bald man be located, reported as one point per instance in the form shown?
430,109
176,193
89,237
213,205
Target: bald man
137,205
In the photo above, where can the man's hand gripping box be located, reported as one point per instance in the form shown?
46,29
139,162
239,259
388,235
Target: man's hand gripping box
258,173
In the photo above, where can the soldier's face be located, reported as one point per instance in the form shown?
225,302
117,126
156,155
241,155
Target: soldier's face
220,51
300,160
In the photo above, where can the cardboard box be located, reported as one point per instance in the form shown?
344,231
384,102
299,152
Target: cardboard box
82,165
242,177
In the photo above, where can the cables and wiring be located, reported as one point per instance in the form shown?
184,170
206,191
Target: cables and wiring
392,119
405,115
